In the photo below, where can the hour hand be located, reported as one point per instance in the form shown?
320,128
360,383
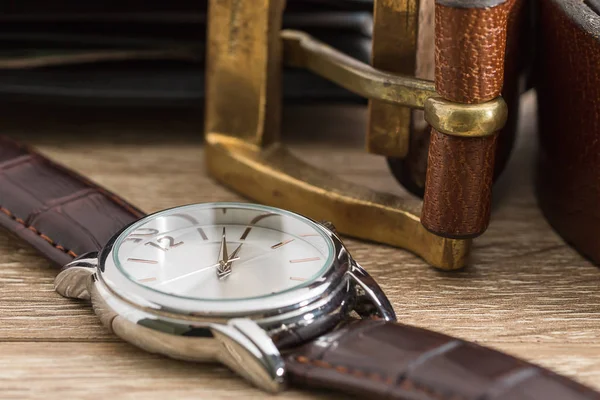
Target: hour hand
235,253
224,268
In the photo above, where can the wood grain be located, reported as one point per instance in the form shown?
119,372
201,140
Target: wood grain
525,292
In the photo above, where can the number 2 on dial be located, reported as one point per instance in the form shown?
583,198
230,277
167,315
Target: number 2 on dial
164,243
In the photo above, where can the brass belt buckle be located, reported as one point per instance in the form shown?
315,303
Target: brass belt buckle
246,52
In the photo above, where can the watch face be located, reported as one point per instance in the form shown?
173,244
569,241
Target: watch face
223,251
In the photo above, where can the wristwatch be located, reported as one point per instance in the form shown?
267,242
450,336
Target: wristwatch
271,294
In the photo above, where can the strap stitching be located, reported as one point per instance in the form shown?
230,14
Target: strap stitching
40,234
34,155
405,383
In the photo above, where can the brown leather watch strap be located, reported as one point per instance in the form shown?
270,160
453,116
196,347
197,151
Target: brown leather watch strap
469,63
386,360
56,210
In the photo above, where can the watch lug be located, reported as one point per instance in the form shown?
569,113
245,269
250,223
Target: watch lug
73,280
371,300
247,349
329,225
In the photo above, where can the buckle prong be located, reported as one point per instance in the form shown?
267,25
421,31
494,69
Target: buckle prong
301,50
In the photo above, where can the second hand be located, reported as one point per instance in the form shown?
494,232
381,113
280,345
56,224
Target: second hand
194,272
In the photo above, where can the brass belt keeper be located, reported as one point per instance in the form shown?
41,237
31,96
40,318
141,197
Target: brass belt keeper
242,128
466,120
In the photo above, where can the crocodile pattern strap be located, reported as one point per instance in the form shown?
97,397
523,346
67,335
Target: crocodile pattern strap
385,360
56,210
469,62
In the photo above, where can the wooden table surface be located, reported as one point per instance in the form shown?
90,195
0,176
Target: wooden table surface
525,292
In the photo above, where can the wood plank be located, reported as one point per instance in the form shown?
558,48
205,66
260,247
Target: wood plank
116,370
109,370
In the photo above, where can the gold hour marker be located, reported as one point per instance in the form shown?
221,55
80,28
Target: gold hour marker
278,245
301,260
246,233
254,221
310,234
147,279
187,217
295,278
141,260
201,232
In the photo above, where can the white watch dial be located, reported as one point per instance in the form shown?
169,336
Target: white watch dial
223,252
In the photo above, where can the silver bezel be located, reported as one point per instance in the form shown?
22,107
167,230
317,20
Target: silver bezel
277,305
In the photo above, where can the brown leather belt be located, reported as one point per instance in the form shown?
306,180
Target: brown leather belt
455,174
567,78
